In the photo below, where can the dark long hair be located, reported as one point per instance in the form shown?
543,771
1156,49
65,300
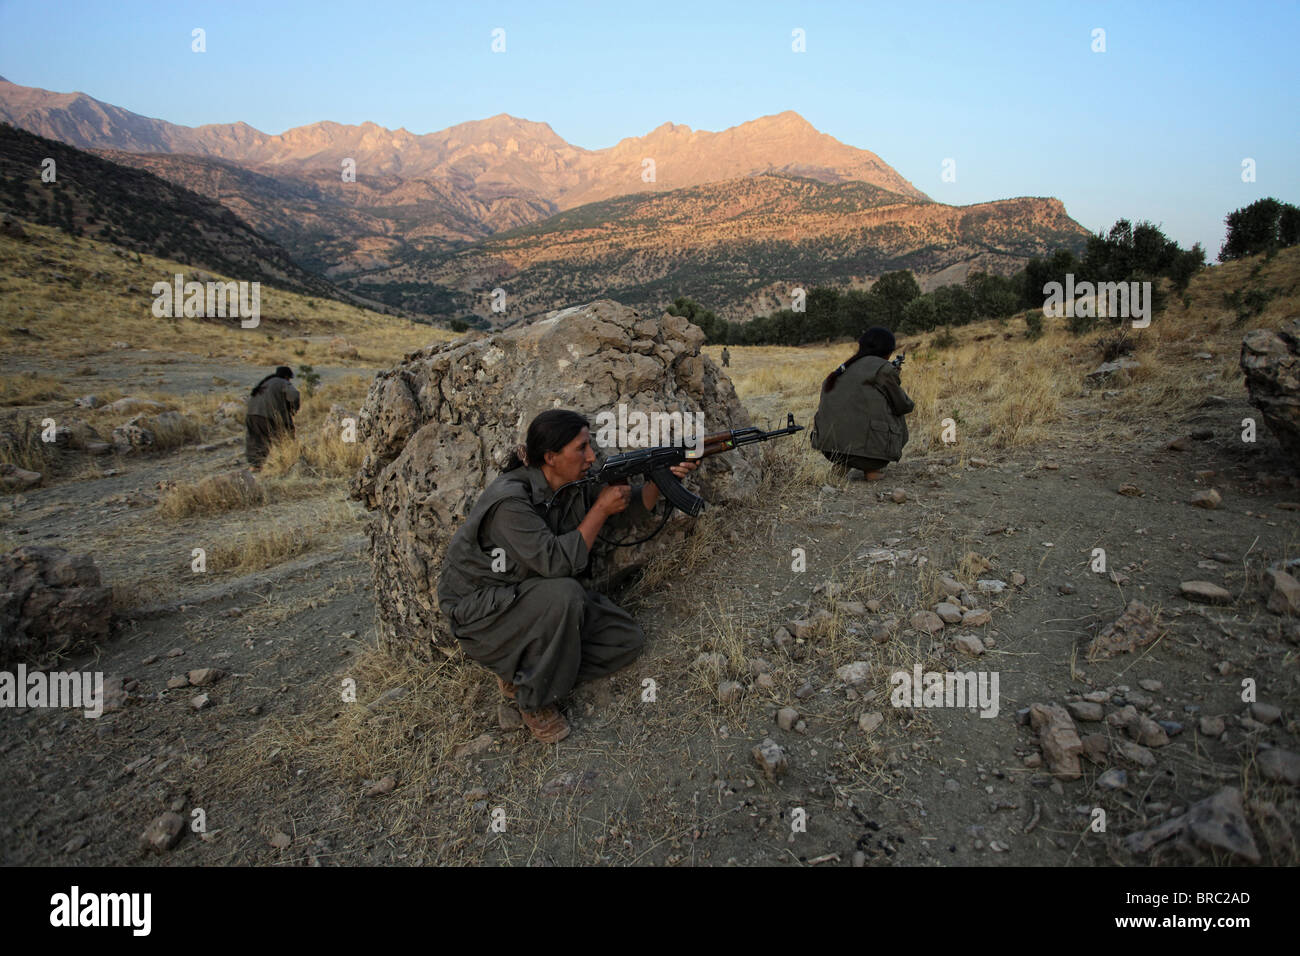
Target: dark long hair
282,371
549,431
877,341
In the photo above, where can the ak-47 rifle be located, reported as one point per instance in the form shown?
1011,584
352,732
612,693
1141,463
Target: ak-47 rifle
655,463
898,360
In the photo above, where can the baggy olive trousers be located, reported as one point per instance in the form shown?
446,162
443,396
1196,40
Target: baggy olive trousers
555,635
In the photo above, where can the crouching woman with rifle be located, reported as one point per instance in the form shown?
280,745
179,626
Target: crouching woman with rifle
510,586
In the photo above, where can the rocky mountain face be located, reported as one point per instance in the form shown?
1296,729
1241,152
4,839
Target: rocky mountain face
435,222
490,158
137,210
740,246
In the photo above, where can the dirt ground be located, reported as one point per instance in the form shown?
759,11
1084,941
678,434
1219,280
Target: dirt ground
285,771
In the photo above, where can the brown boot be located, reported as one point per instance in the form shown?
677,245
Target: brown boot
547,725
873,475
507,688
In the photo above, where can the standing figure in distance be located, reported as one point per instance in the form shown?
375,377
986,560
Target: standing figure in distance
269,417
726,357
860,418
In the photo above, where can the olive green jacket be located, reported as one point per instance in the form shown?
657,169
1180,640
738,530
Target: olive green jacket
533,541
277,400
864,413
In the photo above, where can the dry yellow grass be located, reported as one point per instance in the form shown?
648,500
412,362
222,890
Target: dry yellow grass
209,496
76,322
1004,392
30,389
275,543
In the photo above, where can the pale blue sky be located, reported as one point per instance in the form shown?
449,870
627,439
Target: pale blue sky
1154,128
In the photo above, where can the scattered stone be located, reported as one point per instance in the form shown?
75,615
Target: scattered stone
382,786
1270,362
281,840
1065,589
480,744
855,673
898,496
14,479
771,759
991,586
163,833
88,401
948,613
1097,696
873,606
1211,726
978,462
1096,747
75,844
868,723
1206,592
1058,738
782,638
1284,592
1208,499
786,718
765,681
927,622
1118,371
804,692
1114,779
1152,685
1033,761
571,781
1135,753
852,608
1147,732
204,676
1018,580
508,718
969,644
175,652
1218,822
1172,727
976,617
1131,491
1265,713
1085,710
729,692
1280,765
199,702
950,587
1135,628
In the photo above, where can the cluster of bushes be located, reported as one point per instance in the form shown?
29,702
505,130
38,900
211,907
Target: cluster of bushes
1264,226
1125,254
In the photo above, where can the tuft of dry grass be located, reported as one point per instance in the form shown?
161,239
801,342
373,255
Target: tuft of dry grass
213,495
29,388
21,445
278,541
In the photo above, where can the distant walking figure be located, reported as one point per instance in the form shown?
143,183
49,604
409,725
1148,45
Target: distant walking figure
860,418
271,407
726,357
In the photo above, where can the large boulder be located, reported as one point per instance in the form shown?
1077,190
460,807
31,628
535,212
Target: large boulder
440,426
50,601
1271,363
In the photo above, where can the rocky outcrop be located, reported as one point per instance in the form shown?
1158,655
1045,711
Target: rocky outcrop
440,426
50,601
1271,363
